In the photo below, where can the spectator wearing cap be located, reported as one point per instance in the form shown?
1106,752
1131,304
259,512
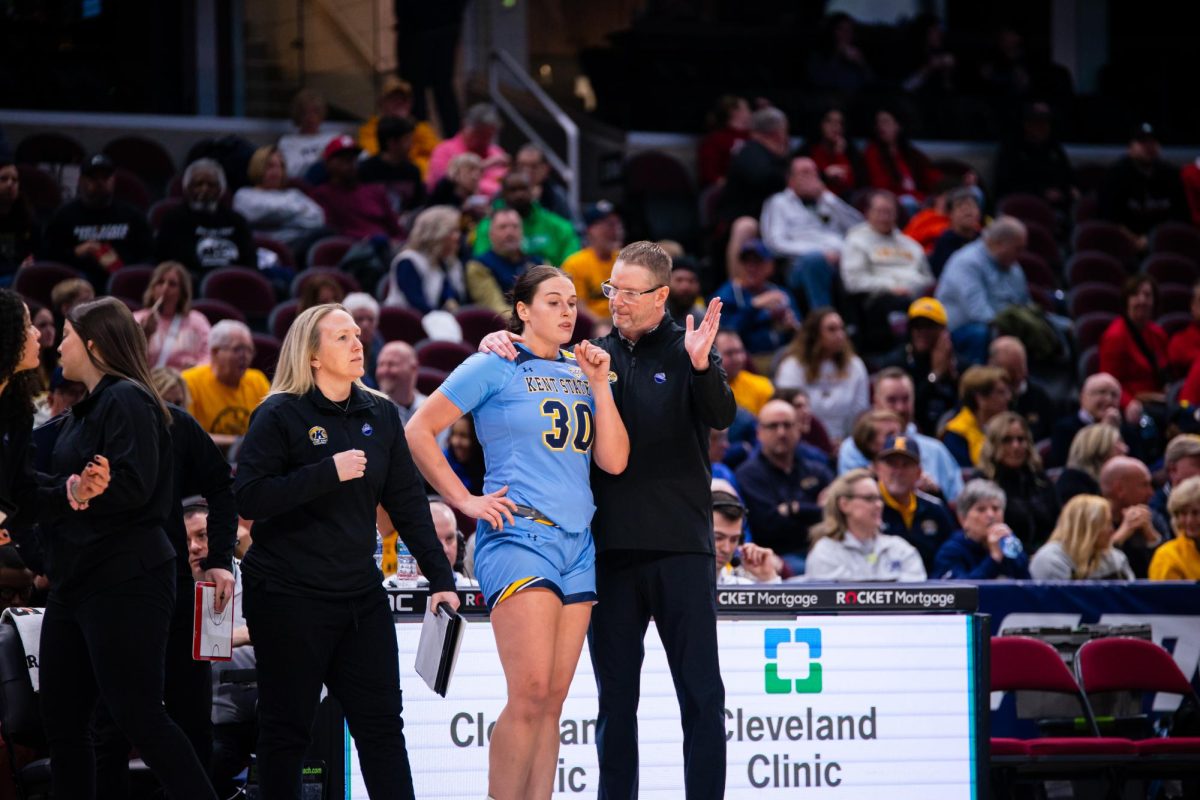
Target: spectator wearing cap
763,313
758,169
396,100
1010,458
1179,559
96,233
893,392
1183,348
352,208
478,136
1141,190
928,358
685,300
1035,162
962,207
1181,461
847,544
391,166
548,237
984,547
754,564
807,223
306,146
491,275
202,234
591,267
272,207
981,280
749,390
546,190
919,518
1030,400
780,489
883,269
1137,530
983,393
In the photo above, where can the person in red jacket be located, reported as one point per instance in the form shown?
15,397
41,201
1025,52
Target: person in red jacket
728,128
1184,348
836,155
1134,348
894,164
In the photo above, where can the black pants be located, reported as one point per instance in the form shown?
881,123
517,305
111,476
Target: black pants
348,645
233,742
679,591
187,694
112,647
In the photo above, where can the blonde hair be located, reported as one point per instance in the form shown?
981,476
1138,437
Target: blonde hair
1185,494
995,431
256,170
1091,447
460,162
834,524
294,372
431,228
164,379
1084,532
185,285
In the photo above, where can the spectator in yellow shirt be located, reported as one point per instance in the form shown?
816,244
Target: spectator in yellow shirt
225,391
1179,558
749,390
593,265
395,100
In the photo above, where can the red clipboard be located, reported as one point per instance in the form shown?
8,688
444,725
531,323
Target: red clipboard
212,634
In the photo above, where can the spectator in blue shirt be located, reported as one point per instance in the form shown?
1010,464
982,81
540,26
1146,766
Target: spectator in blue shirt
985,548
763,313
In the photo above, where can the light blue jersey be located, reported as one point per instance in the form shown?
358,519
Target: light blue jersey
535,419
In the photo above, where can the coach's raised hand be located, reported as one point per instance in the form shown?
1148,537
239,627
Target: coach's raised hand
699,341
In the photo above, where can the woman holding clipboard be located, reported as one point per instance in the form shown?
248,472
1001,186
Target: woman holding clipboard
322,452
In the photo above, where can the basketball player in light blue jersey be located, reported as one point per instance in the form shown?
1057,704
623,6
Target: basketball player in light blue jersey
541,420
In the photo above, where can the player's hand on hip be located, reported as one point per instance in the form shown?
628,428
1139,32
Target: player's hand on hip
500,343
593,360
698,341
492,508
350,464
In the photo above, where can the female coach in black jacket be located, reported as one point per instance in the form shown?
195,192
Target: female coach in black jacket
321,454
111,566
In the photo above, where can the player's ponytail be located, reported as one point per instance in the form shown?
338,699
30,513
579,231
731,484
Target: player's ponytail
524,290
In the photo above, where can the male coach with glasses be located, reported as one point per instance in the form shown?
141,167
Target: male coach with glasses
653,525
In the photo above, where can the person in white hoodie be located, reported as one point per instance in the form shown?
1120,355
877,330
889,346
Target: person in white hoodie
272,207
808,223
884,268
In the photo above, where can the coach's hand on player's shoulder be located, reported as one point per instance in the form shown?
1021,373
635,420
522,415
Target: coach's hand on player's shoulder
500,343
698,341
493,508
350,464
594,361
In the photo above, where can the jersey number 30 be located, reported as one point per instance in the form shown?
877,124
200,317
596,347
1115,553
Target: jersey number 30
563,429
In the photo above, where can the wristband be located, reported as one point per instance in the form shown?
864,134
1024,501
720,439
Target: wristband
72,495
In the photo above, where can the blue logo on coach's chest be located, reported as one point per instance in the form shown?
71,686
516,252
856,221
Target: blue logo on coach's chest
367,429
660,377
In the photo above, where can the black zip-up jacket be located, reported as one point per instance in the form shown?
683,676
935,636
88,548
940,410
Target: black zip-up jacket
200,469
313,534
663,499
121,534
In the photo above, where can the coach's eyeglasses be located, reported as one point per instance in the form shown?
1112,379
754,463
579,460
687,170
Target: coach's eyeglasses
628,295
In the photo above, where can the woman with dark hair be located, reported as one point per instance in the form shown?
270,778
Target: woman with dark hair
321,454
19,238
1010,459
728,127
320,290
542,420
893,163
176,334
19,350
1134,347
43,320
821,361
835,154
110,563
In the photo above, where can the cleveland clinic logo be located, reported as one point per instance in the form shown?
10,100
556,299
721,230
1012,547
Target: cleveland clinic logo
772,639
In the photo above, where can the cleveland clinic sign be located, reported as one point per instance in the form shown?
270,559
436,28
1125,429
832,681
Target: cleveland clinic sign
827,705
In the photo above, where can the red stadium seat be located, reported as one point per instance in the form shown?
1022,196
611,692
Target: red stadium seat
266,353
1176,237
36,280
1090,327
242,287
128,188
217,310
1089,364
1089,297
145,158
344,279
1174,299
1029,208
429,379
40,189
1171,268
1092,266
1042,242
401,324
1174,322
160,210
1037,271
477,322
442,355
281,318
328,252
130,281
49,147
1106,237
1086,208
